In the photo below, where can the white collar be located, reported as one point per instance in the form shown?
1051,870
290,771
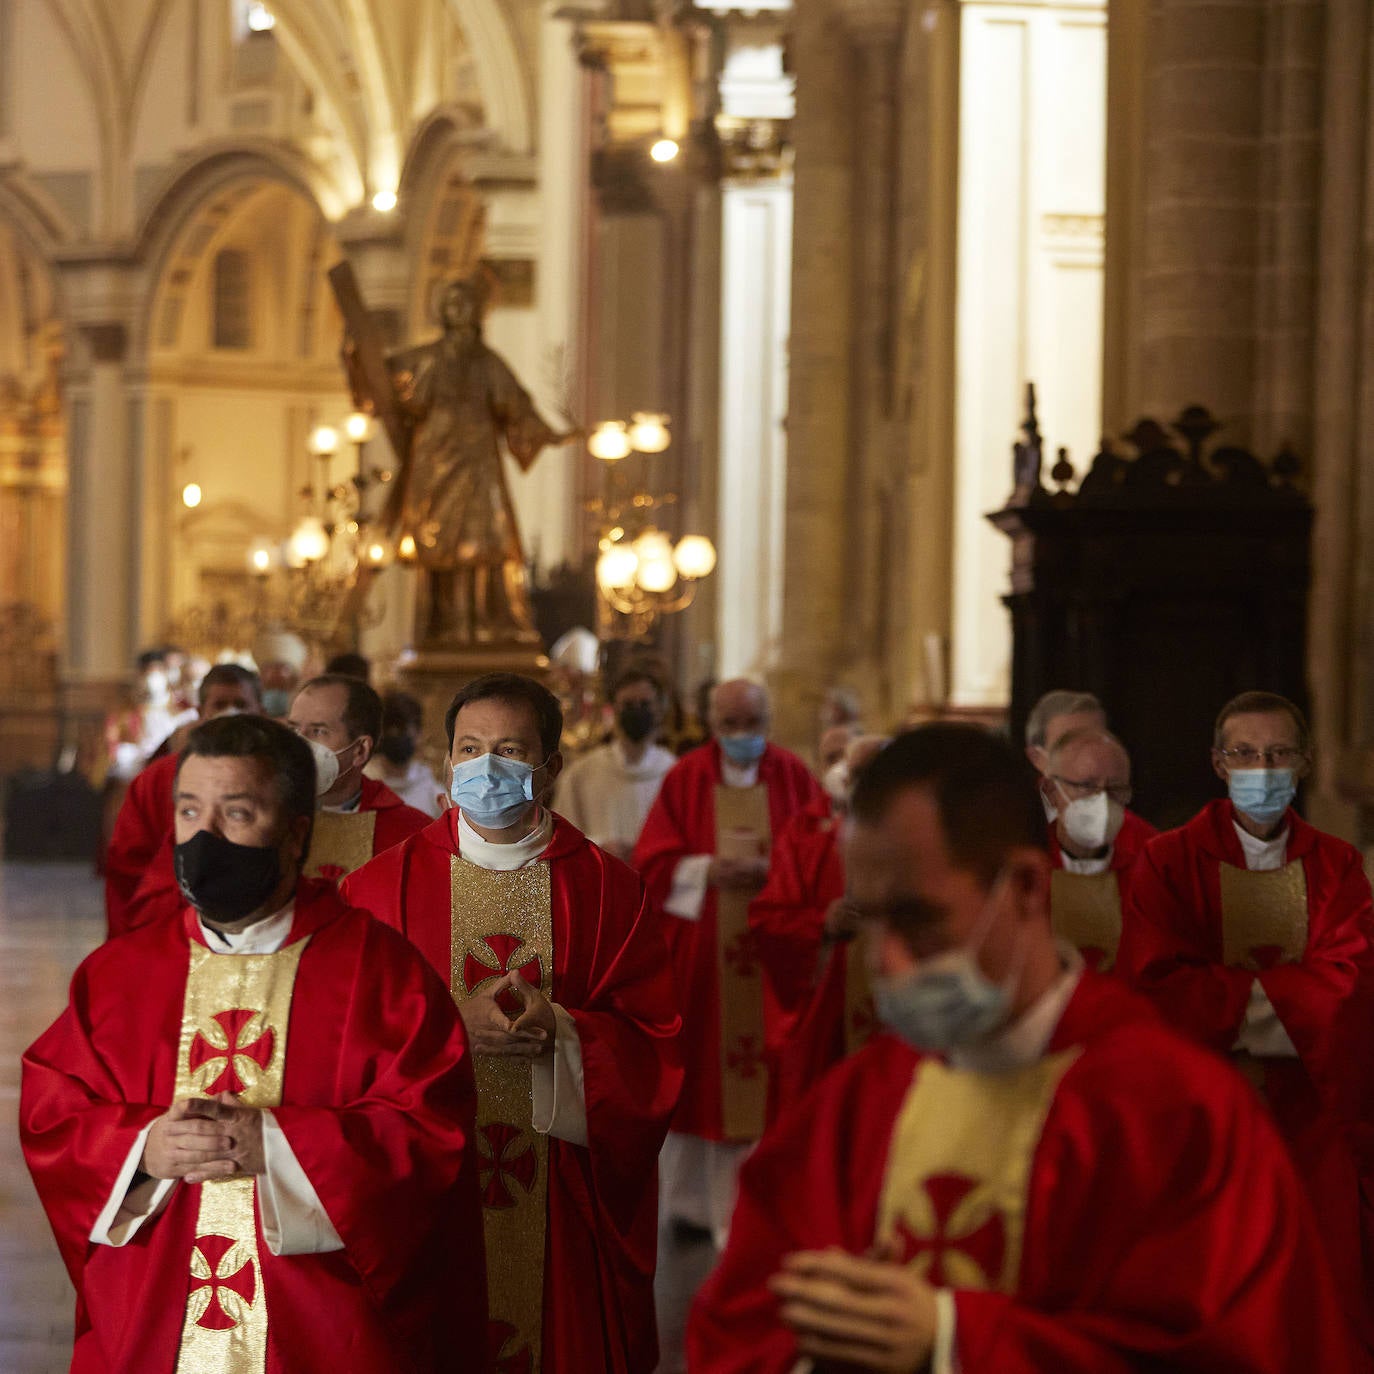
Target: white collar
648,765
1263,856
503,858
262,937
1089,867
738,774
354,803
1027,1038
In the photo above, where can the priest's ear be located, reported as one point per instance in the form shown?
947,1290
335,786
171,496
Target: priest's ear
1028,879
552,767
445,797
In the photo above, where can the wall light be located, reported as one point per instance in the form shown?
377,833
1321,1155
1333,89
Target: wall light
665,150
385,201
191,495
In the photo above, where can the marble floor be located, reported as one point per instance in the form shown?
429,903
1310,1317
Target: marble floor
51,916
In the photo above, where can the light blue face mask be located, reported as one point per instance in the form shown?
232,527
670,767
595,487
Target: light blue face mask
743,749
493,791
947,1002
276,702
1263,794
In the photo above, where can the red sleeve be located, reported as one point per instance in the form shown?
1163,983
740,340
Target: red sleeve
382,1161
76,1127
788,921
1308,995
681,822
811,1183
1195,1250
1167,946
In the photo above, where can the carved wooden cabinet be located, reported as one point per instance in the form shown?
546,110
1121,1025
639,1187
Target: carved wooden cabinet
1168,582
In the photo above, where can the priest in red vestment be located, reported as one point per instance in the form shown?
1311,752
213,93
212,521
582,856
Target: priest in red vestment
253,1126
704,853
340,717
558,967
1094,840
1249,929
817,1006
144,822
1030,1172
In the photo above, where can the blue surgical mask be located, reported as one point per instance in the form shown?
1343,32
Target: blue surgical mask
276,702
1263,794
947,1002
493,791
743,749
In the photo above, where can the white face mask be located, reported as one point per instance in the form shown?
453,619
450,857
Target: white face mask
327,768
156,685
1092,822
836,782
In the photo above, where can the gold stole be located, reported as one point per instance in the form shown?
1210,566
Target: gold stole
860,1019
743,830
1263,916
340,843
1085,910
233,1038
957,1185
499,923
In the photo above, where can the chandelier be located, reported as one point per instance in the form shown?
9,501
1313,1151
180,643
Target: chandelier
641,573
317,581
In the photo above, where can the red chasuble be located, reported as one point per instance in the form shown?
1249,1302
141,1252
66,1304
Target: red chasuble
339,843
372,1085
723,1055
610,973
1120,1207
1197,937
1088,909
144,822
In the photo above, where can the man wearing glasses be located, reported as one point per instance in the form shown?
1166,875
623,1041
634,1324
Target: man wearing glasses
1249,929
1094,841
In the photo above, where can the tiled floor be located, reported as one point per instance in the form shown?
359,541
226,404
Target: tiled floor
51,916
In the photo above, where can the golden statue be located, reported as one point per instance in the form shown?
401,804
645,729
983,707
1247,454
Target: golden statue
452,403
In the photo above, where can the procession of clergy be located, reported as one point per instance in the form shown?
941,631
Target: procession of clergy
960,1065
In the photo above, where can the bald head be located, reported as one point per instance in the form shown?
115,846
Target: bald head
1091,755
740,707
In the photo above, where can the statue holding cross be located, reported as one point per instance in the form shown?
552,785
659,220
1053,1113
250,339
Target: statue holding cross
448,406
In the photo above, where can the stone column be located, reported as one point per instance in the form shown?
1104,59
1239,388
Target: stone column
817,533
875,30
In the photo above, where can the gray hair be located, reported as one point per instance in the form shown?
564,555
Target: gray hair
1057,703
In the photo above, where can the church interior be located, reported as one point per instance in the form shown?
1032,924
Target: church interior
912,358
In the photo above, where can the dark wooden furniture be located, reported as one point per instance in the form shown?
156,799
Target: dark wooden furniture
1175,576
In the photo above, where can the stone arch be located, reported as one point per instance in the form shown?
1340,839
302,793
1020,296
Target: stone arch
186,193
505,88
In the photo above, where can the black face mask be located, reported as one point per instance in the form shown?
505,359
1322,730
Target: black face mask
397,749
637,720
223,880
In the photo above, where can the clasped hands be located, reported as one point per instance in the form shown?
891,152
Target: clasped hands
201,1138
740,874
855,1310
525,1033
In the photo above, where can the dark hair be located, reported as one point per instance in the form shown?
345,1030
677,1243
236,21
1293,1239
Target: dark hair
401,712
349,665
362,713
983,788
255,737
627,677
1262,704
517,690
148,657
230,675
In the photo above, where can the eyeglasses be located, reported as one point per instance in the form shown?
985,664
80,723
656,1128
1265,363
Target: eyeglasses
1284,756
1076,789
